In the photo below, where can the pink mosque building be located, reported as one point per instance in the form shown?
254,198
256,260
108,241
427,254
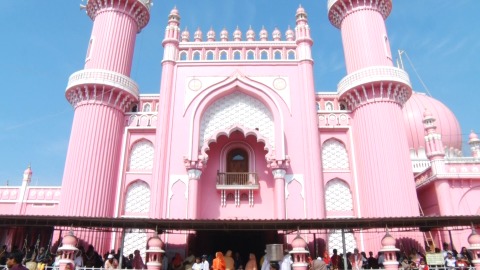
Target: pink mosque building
238,131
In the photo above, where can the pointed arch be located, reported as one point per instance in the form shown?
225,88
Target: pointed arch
267,103
334,155
338,196
141,156
137,198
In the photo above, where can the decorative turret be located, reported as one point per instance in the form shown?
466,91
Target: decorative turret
389,251
237,35
197,37
474,143
224,35
154,253
302,29
375,91
474,241
433,139
211,35
289,34
27,175
299,253
185,35
68,249
250,34
263,34
276,35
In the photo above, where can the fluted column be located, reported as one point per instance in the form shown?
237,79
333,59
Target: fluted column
278,168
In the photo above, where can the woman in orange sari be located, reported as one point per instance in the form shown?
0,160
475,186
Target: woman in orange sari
218,262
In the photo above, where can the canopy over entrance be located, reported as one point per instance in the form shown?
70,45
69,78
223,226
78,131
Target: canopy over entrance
424,223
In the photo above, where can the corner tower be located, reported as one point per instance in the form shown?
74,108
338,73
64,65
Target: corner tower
100,95
375,91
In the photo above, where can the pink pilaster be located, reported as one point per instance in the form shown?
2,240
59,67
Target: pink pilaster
193,178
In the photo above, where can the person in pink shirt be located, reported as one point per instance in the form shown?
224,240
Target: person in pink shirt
138,261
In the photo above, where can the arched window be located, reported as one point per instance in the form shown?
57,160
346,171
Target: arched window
264,55
210,55
334,155
137,198
223,55
237,160
183,56
343,106
335,241
141,156
250,55
329,106
291,55
338,196
147,107
134,108
278,55
237,55
230,197
196,56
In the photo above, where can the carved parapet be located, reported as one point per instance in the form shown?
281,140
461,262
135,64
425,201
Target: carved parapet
139,10
339,9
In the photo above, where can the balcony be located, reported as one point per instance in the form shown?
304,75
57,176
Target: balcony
237,181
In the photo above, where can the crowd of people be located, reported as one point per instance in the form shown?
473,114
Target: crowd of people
39,258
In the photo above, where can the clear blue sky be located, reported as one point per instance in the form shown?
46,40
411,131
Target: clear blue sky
43,42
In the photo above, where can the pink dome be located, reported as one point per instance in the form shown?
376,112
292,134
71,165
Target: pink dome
211,35
300,10
174,11
28,171
263,34
388,240
276,34
69,240
298,243
185,35
237,34
250,34
289,34
155,243
446,122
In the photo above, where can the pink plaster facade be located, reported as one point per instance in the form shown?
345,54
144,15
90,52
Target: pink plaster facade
362,150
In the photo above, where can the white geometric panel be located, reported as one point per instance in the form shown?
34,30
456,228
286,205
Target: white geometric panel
141,157
338,196
135,239
335,241
137,199
237,109
334,155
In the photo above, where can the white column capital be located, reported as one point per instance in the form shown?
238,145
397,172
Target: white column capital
194,174
279,173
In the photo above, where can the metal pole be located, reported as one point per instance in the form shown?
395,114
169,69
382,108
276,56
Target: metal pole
451,241
120,258
345,264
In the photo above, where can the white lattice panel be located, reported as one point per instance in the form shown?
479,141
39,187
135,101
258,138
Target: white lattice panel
334,155
237,109
135,239
141,157
335,242
138,198
338,196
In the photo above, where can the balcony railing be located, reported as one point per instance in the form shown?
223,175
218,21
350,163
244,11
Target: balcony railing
237,180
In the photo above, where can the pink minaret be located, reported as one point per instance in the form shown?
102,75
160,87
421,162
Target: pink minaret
474,143
170,53
375,91
101,93
312,158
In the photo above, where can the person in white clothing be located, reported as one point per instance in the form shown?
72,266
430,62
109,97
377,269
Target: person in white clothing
287,261
206,265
